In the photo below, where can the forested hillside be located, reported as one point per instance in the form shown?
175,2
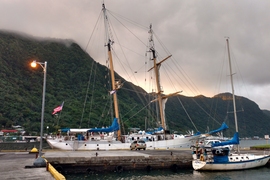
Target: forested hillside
75,78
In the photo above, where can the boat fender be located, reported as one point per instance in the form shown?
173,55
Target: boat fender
201,157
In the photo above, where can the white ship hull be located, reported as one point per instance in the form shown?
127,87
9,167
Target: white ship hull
75,145
236,162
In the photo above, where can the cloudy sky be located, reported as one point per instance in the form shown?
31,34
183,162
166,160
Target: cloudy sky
192,30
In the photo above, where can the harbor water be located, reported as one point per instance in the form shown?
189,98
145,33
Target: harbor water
258,173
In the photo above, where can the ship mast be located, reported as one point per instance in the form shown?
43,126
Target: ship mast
160,97
114,84
234,104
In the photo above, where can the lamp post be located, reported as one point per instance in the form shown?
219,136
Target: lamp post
40,161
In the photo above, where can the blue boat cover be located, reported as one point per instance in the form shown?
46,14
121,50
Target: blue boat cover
65,129
234,140
223,127
155,131
112,128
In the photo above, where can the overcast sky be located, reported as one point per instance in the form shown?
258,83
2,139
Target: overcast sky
192,30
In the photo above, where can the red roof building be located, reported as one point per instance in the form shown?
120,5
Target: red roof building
9,130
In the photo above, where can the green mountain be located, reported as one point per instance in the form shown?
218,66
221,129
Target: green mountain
266,112
75,78
251,120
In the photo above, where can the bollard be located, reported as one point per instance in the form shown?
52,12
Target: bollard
47,166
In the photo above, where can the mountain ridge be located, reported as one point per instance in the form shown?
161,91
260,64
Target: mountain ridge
68,71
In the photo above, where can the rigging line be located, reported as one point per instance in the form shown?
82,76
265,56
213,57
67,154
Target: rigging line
187,113
92,98
121,47
181,102
219,84
103,111
206,112
185,78
240,81
87,90
130,78
128,20
162,44
110,28
99,17
144,93
122,124
129,111
138,112
145,28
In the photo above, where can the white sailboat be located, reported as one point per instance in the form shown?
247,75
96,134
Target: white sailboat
111,138
221,159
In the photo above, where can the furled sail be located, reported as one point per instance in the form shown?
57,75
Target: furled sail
112,128
223,127
234,140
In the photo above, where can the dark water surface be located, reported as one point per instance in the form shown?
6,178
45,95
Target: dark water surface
259,173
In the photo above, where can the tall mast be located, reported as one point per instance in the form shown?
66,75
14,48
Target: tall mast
231,76
114,86
156,70
160,97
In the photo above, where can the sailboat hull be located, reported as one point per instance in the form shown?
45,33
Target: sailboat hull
236,162
116,145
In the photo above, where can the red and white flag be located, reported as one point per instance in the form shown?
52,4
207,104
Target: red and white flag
58,108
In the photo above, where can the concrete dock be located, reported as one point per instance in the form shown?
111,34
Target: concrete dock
122,160
12,166
111,161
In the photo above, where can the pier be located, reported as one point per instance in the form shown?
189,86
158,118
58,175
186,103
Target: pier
122,160
117,161
13,163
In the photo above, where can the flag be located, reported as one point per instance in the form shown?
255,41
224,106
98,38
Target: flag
58,108
112,92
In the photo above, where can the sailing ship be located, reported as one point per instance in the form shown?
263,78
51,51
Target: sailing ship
111,138
220,158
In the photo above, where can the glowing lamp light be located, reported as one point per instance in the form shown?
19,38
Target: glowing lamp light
34,64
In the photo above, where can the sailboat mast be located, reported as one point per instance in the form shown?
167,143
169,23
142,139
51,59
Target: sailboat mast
231,76
234,104
114,88
156,70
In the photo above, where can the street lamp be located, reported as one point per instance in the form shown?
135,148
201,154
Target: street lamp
40,161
